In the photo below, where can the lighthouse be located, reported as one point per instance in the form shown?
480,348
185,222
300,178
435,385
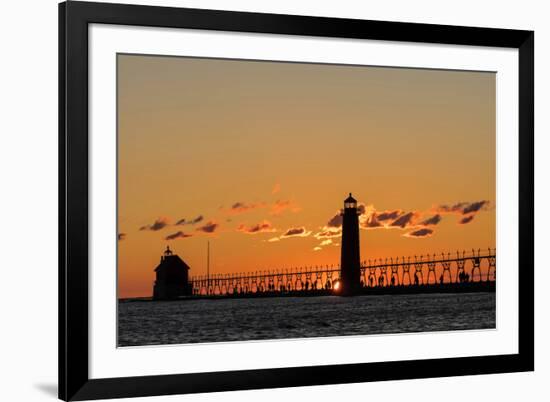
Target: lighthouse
350,266
172,279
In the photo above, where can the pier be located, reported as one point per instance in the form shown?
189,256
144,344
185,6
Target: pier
463,271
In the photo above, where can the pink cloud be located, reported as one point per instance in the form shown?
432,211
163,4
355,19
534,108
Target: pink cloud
424,232
177,235
466,219
209,227
328,232
159,224
262,227
241,207
296,232
281,206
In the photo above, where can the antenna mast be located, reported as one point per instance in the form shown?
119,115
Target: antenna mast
208,266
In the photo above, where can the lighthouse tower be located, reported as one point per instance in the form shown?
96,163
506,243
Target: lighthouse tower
350,261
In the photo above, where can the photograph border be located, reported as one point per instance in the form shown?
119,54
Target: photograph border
74,20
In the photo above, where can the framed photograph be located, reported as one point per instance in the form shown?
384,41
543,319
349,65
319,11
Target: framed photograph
257,200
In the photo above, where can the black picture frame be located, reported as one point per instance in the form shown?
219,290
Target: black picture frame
74,18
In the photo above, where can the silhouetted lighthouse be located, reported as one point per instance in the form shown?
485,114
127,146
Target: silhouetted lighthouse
350,261
172,279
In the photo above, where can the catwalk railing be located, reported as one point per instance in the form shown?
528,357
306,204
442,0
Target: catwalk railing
423,270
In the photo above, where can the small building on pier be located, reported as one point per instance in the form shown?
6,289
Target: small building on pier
172,277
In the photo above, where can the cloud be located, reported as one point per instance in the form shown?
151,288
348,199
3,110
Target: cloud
335,221
388,215
276,188
467,210
390,219
197,219
177,235
448,209
404,220
370,221
328,232
317,248
326,242
280,206
466,219
209,227
463,208
425,232
240,207
121,236
475,206
277,208
415,220
159,224
262,227
434,220
301,231
190,222
292,232
295,232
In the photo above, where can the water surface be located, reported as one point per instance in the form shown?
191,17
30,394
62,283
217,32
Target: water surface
192,321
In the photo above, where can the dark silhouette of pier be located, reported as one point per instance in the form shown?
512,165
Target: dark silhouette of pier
445,272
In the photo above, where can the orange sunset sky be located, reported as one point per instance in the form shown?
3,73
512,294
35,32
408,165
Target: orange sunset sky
257,158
